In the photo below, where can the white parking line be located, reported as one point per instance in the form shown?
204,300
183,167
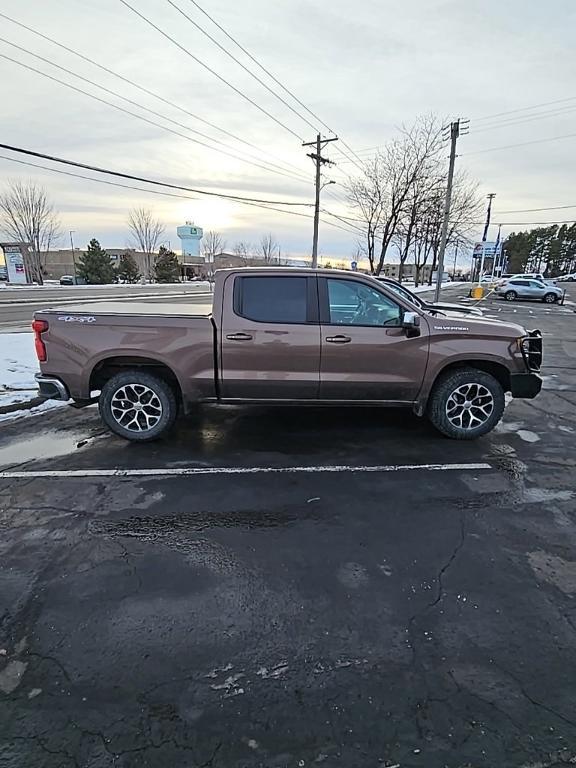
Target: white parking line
187,471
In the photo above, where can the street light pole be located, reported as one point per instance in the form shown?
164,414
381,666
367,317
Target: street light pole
73,255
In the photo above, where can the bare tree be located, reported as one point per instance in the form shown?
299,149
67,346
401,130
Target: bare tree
242,250
269,248
464,211
27,216
391,185
367,196
146,233
212,244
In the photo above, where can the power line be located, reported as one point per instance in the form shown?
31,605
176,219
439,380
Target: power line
209,69
522,144
525,119
240,64
143,89
137,116
344,219
264,207
525,109
110,172
534,210
263,68
526,223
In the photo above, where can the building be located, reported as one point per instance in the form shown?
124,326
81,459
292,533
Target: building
408,272
58,263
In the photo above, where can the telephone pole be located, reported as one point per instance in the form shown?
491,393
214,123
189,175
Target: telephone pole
455,131
319,161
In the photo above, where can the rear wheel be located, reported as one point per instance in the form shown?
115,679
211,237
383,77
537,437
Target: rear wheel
510,295
550,298
138,406
466,404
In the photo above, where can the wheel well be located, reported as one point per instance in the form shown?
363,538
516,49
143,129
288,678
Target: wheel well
499,371
105,369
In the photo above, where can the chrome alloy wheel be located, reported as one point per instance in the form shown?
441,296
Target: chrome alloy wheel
469,406
136,407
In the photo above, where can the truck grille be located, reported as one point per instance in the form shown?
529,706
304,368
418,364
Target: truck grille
531,346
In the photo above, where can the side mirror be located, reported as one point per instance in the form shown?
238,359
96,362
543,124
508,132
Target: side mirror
410,320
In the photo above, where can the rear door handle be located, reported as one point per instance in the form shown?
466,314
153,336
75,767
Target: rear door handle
239,337
338,339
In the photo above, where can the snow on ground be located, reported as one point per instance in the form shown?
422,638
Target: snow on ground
18,364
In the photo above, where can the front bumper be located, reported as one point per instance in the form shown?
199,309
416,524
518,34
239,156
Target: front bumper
51,388
525,385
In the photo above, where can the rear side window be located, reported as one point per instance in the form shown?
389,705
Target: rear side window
271,299
519,282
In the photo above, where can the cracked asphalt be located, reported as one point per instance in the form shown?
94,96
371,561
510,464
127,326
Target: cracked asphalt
414,619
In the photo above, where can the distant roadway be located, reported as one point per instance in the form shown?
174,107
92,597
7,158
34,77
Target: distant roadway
17,305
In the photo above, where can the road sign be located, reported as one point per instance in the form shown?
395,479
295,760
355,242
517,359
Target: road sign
14,259
489,249
354,265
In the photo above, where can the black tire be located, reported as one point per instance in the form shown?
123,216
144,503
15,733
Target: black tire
510,295
442,396
550,298
159,405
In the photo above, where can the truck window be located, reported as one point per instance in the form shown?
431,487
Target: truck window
354,303
271,299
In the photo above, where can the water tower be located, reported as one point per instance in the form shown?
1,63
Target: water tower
190,236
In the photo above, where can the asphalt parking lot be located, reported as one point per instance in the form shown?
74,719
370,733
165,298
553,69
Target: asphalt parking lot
336,587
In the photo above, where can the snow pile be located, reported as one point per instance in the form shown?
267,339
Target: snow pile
18,364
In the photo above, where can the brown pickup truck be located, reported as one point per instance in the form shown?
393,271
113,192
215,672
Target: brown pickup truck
286,336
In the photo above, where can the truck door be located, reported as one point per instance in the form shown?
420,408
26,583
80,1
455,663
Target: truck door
366,354
270,337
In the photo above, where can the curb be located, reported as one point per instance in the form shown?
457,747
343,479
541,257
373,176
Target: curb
24,405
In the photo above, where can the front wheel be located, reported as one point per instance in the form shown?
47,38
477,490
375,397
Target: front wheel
550,298
510,295
466,404
138,406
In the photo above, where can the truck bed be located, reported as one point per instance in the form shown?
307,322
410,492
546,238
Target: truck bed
82,339
136,308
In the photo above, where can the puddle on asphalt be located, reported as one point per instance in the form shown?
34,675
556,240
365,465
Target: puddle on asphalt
48,445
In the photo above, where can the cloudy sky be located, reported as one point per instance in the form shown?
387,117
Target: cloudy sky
363,68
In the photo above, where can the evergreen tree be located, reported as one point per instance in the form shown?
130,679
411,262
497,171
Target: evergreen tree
95,266
128,269
166,266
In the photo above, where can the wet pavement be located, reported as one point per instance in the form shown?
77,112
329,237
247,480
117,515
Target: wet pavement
407,618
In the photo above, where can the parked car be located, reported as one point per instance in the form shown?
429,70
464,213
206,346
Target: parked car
535,290
284,335
67,280
3,272
567,278
441,306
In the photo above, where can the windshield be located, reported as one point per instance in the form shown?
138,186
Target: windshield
404,293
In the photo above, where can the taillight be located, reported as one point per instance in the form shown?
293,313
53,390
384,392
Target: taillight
39,327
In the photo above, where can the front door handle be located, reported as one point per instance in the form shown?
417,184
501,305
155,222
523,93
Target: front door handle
239,337
340,339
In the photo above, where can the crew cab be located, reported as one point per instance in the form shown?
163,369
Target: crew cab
285,336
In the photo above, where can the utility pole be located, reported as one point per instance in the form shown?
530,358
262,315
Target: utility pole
455,260
455,132
490,197
73,254
319,161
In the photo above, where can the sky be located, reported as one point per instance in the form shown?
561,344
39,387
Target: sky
363,69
